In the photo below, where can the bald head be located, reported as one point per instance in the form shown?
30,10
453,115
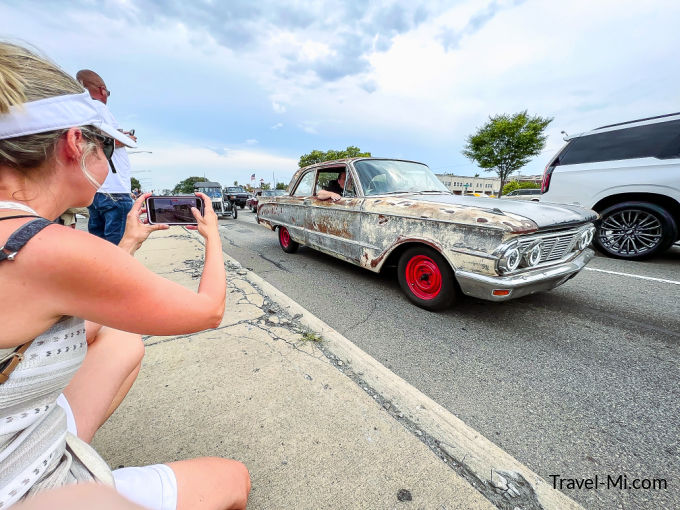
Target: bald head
94,84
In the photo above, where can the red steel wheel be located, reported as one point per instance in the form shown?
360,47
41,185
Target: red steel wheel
423,277
426,278
287,244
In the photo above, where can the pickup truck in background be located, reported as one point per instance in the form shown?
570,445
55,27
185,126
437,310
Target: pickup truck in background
237,194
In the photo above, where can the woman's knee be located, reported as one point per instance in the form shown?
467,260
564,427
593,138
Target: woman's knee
127,347
138,349
133,346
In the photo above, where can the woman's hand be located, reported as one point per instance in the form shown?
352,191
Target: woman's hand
207,224
137,229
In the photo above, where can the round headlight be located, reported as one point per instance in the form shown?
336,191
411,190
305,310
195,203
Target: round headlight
583,241
534,256
591,233
512,259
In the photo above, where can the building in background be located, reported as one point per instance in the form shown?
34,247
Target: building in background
466,185
533,179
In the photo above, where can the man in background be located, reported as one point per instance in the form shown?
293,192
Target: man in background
112,202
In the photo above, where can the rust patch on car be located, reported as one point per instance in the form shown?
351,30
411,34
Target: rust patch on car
397,242
331,228
382,219
482,220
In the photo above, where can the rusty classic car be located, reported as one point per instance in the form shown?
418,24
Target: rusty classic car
395,212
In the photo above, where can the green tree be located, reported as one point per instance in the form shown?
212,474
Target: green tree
317,156
134,184
506,143
513,185
281,185
187,185
265,185
235,183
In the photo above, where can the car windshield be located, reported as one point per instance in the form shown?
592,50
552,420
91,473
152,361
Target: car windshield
380,176
235,189
273,193
211,192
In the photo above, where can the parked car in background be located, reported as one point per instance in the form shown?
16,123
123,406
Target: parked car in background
253,201
630,174
237,194
524,194
396,212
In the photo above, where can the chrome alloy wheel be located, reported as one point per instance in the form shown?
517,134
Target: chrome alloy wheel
630,232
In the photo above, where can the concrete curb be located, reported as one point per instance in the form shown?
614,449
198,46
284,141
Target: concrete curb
492,471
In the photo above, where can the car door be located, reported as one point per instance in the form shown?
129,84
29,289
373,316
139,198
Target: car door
293,207
334,227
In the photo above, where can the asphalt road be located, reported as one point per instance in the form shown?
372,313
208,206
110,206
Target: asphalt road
576,382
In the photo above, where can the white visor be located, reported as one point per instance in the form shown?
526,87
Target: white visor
59,112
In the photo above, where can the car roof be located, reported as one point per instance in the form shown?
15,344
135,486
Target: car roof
336,162
631,123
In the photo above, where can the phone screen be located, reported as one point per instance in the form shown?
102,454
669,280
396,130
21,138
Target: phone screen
173,210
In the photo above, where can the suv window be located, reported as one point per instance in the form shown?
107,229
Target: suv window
660,140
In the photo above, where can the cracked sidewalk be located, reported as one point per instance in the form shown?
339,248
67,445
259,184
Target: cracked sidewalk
311,433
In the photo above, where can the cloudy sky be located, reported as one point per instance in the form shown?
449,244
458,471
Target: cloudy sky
231,88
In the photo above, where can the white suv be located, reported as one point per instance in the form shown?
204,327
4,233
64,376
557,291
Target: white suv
630,174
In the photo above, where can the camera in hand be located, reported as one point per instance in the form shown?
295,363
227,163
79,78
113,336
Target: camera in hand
173,210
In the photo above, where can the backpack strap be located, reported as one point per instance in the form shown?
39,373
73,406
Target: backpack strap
19,216
10,362
20,237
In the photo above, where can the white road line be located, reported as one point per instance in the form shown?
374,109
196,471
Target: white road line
633,276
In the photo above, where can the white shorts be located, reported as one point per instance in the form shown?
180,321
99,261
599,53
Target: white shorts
153,487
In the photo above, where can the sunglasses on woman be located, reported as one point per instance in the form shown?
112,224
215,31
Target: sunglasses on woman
108,146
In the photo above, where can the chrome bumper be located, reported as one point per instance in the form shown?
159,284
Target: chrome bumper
523,284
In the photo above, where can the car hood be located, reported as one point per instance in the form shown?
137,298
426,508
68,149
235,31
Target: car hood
543,215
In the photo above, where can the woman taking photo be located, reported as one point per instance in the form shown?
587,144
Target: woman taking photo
66,293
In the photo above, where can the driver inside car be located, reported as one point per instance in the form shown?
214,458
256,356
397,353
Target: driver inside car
334,191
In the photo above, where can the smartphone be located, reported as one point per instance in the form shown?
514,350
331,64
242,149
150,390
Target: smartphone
173,210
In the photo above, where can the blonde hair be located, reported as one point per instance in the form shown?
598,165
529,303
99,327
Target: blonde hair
27,76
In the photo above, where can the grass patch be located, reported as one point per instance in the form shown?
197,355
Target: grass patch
308,336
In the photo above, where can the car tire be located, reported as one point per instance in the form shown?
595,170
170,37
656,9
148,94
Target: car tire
234,212
242,206
634,230
426,278
253,209
287,244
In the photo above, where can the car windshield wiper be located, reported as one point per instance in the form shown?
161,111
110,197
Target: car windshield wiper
434,191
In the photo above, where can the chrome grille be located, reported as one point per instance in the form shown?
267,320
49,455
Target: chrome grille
553,247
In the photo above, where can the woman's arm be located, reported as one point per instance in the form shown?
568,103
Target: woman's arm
75,273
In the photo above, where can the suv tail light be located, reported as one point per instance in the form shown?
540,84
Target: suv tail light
547,173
